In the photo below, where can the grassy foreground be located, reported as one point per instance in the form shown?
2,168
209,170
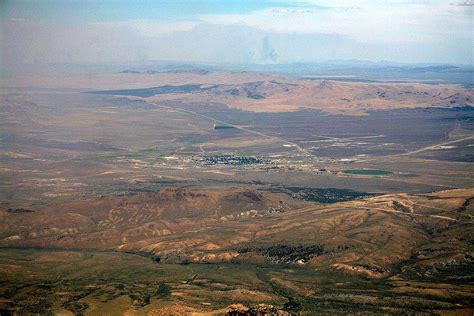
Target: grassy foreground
100,283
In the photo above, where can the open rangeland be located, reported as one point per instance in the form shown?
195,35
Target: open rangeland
216,192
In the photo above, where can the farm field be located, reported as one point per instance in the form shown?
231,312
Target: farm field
369,172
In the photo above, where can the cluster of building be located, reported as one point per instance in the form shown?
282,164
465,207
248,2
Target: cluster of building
232,160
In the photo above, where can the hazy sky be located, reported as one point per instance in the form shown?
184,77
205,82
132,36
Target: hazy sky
220,31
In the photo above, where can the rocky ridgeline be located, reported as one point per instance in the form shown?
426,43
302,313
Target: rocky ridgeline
254,310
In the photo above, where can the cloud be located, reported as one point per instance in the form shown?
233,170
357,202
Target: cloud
123,42
149,27
383,22
463,4
41,42
404,31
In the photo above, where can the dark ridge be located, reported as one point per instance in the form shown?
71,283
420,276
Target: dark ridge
19,210
287,253
329,195
466,204
148,92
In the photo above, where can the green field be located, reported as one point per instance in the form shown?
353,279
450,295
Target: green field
368,172
223,126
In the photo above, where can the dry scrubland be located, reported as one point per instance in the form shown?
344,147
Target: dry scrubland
266,93
118,194
328,96
186,225
389,253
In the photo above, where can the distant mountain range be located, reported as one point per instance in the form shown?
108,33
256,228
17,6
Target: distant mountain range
352,70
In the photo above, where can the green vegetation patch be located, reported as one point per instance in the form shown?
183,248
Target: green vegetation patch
223,126
368,172
255,96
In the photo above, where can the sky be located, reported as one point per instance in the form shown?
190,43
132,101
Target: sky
235,32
